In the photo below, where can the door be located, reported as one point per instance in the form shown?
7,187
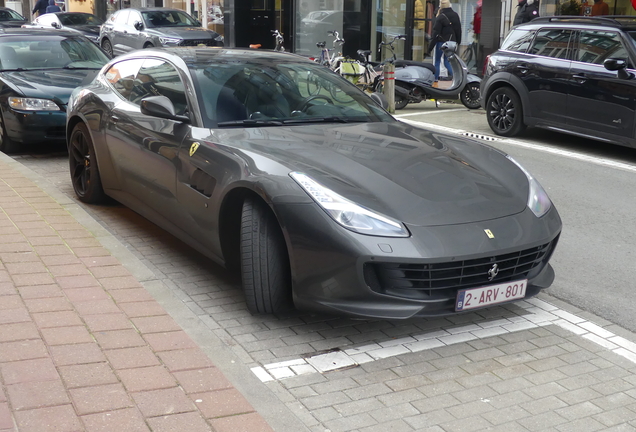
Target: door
545,73
255,20
600,100
132,38
419,24
146,148
118,32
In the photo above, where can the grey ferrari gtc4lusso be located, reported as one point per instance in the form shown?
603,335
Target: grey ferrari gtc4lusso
271,164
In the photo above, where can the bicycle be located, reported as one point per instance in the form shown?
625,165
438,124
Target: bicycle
279,42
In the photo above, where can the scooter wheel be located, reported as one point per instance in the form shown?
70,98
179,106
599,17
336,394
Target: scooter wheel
470,95
400,102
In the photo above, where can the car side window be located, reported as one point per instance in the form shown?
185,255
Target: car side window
133,18
518,40
122,75
597,46
121,17
160,78
555,43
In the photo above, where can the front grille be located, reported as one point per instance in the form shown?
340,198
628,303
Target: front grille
431,281
196,42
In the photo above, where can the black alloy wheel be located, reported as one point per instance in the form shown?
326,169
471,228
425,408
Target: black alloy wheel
108,47
265,267
85,177
470,95
504,112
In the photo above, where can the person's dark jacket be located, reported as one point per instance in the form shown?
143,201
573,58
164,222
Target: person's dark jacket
52,7
40,7
447,27
526,12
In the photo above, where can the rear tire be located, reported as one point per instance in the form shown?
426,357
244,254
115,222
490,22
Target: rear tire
470,95
400,102
108,47
87,182
264,260
504,112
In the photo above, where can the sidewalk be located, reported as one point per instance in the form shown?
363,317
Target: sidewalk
83,345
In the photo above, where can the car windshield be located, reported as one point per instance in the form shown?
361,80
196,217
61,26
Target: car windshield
271,93
75,19
49,52
10,15
168,19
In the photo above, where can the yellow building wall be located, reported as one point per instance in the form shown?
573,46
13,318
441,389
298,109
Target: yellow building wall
87,6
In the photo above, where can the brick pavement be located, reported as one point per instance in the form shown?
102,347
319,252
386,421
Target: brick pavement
546,378
83,345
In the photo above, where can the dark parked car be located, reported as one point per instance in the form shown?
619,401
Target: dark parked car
84,23
131,29
327,202
10,18
567,74
38,71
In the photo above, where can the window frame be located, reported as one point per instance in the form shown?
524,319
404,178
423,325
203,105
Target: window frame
621,38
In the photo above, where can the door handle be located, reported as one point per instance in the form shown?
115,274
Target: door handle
581,78
523,68
125,31
114,119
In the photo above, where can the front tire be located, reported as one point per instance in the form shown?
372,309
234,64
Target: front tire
87,182
108,47
505,112
265,267
7,145
470,95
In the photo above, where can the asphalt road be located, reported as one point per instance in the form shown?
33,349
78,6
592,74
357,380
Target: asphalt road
592,185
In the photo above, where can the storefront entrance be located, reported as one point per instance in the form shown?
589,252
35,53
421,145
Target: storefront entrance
255,20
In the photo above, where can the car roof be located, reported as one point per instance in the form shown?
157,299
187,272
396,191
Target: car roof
35,32
204,55
624,22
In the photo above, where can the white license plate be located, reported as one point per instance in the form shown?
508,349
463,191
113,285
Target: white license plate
490,295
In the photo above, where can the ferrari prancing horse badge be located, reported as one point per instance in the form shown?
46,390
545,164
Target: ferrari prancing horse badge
193,148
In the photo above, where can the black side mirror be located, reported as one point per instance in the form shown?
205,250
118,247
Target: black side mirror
619,65
162,107
56,25
139,25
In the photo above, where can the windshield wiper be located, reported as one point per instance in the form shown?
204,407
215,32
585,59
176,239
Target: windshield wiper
250,122
331,119
81,67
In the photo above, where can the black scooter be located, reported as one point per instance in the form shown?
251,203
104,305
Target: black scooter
414,80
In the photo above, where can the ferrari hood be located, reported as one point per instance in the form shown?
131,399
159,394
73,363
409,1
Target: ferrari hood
56,84
420,177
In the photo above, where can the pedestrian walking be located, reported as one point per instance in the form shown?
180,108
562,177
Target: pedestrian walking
52,7
40,8
527,11
447,27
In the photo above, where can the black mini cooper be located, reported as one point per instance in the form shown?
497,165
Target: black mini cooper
568,74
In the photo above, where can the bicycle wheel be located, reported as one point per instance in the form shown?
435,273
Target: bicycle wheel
313,84
338,94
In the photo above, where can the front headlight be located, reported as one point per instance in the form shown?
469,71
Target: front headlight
33,104
538,200
349,214
170,41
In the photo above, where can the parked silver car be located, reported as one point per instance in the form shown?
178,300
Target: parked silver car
131,29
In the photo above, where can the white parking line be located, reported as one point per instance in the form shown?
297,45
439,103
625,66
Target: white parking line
539,314
566,153
430,112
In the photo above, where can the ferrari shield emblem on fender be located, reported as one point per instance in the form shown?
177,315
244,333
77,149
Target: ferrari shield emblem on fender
487,231
193,148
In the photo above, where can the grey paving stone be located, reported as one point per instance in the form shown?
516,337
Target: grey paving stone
400,397
543,405
332,385
482,366
582,425
324,414
446,374
579,395
358,406
546,364
440,388
543,390
478,379
573,412
515,359
470,409
367,391
578,381
480,393
509,399
466,425
407,382
506,416
350,423
545,377
615,417
379,376
435,403
394,412
393,426
540,422
325,400
613,401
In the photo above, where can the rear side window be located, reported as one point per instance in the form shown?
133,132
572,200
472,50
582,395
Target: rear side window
597,46
518,40
555,43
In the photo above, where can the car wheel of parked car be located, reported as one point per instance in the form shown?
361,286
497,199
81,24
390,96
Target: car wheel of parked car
7,145
107,46
85,177
470,95
504,112
264,260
